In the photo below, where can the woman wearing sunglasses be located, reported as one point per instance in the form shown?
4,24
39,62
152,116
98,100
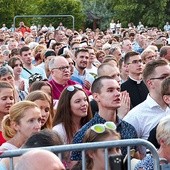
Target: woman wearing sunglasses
72,113
99,133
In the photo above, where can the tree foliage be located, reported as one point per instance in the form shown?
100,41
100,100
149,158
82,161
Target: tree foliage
150,12
62,7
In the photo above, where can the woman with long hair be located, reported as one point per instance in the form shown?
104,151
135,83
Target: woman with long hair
44,103
72,113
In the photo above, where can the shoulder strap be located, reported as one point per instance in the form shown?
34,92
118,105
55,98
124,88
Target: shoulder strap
27,70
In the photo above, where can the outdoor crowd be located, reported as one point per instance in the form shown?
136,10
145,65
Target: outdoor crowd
60,86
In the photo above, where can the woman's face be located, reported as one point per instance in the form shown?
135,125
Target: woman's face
79,104
30,123
17,68
98,155
9,78
6,100
44,106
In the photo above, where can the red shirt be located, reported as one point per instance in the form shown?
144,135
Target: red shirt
58,88
2,140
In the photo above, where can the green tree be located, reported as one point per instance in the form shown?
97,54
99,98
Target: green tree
150,12
102,9
9,9
62,7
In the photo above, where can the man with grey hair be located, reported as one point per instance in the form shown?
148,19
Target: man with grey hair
60,74
39,160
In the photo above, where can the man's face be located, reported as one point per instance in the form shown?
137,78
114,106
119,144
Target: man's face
157,78
167,56
26,57
92,56
109,96
81,60
127,46
135,65
61,72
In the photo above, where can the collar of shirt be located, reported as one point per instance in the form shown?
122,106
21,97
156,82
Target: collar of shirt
137,81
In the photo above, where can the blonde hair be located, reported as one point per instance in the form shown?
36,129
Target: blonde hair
16,113
163,130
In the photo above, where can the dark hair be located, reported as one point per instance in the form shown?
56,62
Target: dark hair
64,112
164,50
25,48
165,88
97,84
81,50
128,55
150,67
45,137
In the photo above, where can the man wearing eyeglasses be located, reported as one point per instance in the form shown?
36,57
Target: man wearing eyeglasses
147,114
60,74
134,85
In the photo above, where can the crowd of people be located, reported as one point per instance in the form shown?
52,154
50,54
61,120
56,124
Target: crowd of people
83,86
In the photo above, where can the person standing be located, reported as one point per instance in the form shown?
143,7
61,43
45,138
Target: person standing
134,85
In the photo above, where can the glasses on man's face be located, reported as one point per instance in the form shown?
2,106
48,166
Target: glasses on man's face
72,88
63,68
136,62
100,128
151,57
160,78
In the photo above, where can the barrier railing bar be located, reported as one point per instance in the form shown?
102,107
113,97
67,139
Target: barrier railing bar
128,158
83,160
95,145
106,158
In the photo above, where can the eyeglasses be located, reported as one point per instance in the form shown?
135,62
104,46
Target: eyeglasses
100,128
136,62
159,78
151,57
62,68
72,88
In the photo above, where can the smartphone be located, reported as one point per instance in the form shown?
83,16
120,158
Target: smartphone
116,162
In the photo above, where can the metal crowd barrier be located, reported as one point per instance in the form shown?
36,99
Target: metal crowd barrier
86,146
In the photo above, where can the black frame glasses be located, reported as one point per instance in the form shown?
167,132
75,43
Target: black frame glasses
62,68
160,78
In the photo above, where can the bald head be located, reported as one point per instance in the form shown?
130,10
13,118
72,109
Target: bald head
39,160
109,70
